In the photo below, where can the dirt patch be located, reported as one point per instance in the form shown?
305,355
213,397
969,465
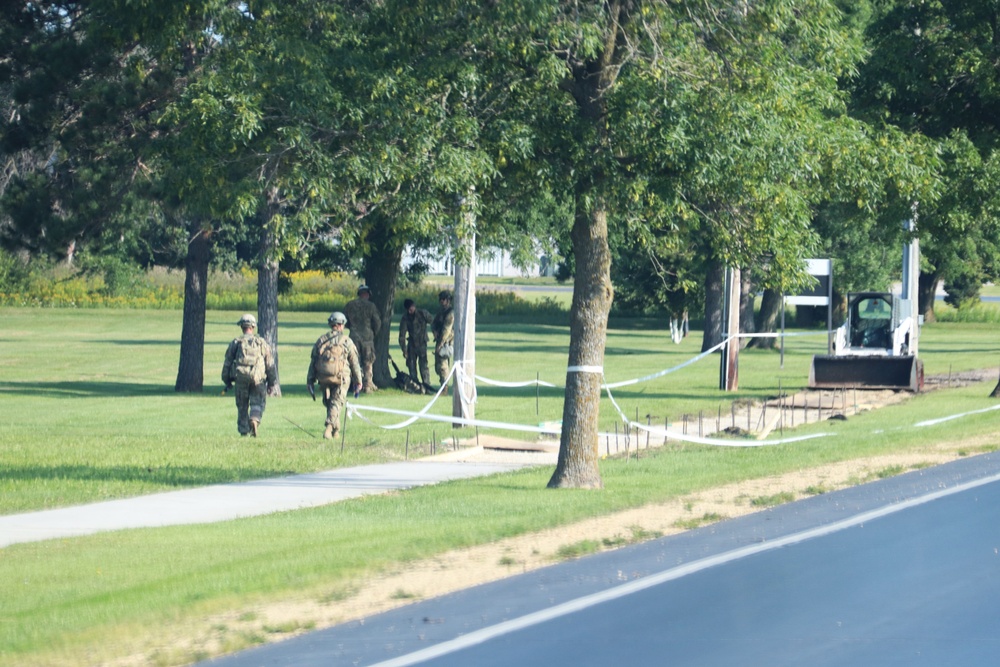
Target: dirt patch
459,569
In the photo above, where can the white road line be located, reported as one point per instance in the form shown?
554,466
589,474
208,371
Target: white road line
528,620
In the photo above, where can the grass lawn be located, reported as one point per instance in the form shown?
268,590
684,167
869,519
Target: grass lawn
90,413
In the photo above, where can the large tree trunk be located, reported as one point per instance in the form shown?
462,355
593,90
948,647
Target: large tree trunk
767,319
267,290
380,267
714,296
191,368
927,285
592,291
592,297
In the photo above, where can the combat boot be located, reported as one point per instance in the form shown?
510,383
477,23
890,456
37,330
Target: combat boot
254,423
328,433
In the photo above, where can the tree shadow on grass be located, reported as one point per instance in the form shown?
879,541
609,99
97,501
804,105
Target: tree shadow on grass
175,476
86,389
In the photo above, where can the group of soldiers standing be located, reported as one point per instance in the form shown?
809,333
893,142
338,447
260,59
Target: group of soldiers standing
413,338
338,362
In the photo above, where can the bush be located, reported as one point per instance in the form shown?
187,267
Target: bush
15,273
114,284
983,313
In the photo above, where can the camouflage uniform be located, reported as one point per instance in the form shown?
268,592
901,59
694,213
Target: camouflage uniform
335,394
364,322
444,334
250,399
413,342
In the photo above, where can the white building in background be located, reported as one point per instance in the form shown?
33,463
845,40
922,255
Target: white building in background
489,263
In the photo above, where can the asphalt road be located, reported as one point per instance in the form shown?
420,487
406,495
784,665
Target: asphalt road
904,571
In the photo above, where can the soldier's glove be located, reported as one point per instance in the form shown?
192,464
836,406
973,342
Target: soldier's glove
357,390
270,390
229,385
312,390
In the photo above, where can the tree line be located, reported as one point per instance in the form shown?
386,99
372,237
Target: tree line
655,142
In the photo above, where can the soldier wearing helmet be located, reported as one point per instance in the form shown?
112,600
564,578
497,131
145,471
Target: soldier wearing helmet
334,365
249,365
444,336
364,322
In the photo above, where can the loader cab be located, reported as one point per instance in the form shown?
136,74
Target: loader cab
871,320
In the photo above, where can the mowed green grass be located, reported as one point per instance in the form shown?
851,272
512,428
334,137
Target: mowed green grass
89,412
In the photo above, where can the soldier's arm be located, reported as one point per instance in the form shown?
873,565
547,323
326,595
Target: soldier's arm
227,365
311,373
376,321
270,370
402,335
449,327
353,360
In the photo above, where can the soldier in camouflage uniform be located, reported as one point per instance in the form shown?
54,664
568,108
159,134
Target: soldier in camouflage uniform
364,322
413,340
334,389
251,397
444,335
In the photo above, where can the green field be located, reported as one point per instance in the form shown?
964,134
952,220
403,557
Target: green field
90,413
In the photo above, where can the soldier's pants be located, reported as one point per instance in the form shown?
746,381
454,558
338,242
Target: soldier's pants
417,358
366,357
250,402
334,397
442,367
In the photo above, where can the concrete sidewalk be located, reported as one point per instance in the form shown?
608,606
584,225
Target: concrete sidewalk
224,502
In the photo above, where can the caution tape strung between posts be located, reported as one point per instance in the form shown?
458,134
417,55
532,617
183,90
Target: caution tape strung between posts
457,370
705,441
356,409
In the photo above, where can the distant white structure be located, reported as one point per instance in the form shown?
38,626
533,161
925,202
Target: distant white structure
489,263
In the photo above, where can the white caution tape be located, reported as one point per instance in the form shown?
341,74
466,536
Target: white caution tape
720,442
499,383
933,422
485,423
646,378
585,369
353,409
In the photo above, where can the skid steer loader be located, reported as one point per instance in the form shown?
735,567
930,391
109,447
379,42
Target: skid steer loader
871,350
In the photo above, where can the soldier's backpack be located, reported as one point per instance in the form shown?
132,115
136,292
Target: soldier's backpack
331,362
248,363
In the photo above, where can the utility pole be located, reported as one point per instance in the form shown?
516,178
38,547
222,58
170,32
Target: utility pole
464,384
911,277
729,376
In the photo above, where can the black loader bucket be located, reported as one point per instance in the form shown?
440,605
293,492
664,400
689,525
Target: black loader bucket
831,372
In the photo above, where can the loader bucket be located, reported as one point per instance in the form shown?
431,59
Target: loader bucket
847,372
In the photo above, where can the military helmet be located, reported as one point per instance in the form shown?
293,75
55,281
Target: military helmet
444,294
248,320
364,288
337,318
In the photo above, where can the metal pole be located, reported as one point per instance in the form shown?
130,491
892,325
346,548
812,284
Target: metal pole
781,338
343,430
